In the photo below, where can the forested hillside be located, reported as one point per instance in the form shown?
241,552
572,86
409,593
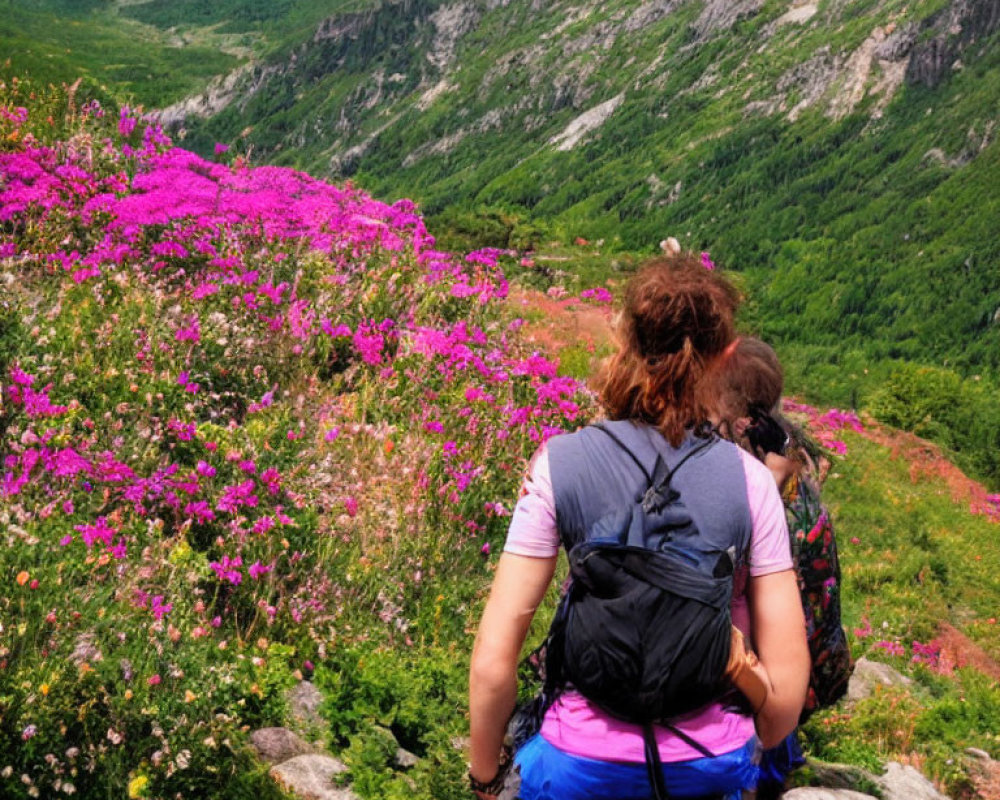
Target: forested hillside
842,155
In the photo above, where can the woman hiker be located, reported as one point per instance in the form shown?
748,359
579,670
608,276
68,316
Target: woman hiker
677,322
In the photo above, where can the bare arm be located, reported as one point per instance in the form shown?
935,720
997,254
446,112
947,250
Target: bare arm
518,587
779,636
781,468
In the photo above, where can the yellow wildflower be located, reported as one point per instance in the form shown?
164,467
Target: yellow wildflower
137,787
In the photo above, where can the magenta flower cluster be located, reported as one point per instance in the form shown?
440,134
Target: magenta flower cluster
825,425
227,290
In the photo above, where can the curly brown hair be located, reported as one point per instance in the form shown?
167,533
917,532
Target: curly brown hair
677,318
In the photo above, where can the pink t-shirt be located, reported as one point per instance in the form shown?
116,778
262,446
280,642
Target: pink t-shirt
576,726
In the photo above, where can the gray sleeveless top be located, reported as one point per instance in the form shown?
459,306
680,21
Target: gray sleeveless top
593,477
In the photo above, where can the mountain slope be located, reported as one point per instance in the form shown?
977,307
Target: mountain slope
842,155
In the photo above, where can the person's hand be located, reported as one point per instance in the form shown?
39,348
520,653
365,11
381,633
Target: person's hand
746,672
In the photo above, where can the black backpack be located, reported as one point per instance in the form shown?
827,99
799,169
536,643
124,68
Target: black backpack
644,628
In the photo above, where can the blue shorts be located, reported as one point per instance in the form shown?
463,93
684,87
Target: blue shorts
548,773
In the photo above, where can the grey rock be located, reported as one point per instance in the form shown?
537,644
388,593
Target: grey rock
822,793
275,745
906,783
649,13
405,759
841,776
311,777
304,700
975,752
451,23
869,674
402,758
897,45
721,15
945,36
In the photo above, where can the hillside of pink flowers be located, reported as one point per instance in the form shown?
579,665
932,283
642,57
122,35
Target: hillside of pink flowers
247,416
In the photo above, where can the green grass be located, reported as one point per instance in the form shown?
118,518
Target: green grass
60,42
912,558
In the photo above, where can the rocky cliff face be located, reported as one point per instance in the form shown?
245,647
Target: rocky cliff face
408,55
961,26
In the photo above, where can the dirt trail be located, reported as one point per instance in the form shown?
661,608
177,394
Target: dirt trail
555,324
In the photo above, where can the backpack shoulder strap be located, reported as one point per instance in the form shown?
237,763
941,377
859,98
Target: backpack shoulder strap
617,440
661,475
660,493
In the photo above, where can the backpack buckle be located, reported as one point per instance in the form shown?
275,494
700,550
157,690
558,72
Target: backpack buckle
657,498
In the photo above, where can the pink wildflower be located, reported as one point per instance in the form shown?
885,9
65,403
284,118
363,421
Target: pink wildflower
256,570
159,608
351,506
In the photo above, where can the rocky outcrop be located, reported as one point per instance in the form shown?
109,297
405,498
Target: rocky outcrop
839,82
451,23
304,701
975,143
869,674
342,26
585,123
275,745
239,86
649,13
302,768
797,14
903,782
946,35
898,782
491,120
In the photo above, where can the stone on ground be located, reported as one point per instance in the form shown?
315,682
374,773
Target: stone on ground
275,745
906,783
311,777
304,700
869,674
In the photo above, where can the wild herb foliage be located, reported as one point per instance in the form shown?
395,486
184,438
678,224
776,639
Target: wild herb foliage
252,423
